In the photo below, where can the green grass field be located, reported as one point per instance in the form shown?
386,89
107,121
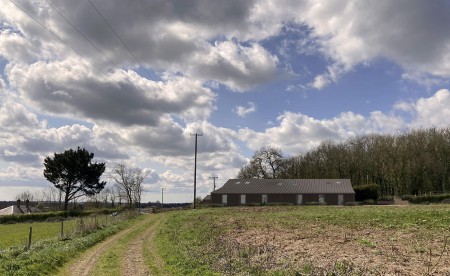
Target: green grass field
308,239
17,234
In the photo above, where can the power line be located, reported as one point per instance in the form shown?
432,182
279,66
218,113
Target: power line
59,38
84,36
125,45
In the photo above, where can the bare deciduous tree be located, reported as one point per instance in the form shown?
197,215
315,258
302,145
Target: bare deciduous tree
129,182
25,195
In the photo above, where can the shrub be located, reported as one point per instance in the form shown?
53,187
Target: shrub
51,215
366,191
427,199
408,197
386,198
368,202
352,203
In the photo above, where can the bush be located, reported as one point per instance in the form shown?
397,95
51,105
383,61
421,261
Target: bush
408,197
386,198
368,202
427,199
50,215
366,191
352,203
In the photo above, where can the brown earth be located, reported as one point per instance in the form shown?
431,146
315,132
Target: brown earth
370,251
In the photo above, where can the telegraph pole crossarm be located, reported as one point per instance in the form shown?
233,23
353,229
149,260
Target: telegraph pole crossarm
214,181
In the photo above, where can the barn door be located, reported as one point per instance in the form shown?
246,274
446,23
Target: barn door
224,199
340,199
299,199
242,199
321,199
264,199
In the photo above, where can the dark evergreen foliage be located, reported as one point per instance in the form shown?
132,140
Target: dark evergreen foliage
366,191
74,174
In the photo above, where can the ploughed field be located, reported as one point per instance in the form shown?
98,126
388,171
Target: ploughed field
313,240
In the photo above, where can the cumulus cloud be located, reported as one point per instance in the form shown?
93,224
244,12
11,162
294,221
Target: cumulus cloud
356,32
243,111
129,100
429,112
298,132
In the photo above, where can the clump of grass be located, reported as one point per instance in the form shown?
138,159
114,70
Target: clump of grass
367,243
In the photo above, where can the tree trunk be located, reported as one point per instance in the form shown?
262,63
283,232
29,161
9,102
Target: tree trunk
66,200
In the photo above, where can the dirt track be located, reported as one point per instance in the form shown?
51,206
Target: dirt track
133,260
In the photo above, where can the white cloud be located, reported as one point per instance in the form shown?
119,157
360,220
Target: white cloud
412,34
298,132
125,99
243,111
433,111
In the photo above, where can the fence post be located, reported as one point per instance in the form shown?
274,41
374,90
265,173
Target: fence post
62,229
30,237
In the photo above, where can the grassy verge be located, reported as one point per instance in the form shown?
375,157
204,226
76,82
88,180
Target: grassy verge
292,240
46,256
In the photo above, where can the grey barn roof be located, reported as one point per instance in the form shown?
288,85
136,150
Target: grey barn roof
286,186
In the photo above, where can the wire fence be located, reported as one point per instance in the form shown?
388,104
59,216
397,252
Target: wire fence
26,234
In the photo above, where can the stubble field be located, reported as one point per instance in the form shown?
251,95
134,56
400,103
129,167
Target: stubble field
314,240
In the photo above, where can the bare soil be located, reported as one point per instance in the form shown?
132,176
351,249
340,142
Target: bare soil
374,251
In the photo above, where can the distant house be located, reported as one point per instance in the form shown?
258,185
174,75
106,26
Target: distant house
18,209
207,199
291,191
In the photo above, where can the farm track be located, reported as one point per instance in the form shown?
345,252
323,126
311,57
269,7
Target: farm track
133,262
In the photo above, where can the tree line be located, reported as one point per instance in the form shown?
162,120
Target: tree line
412,162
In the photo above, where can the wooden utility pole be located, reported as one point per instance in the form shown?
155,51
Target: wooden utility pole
195,166
162,198
214,180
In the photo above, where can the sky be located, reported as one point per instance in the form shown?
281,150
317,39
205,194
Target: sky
131,81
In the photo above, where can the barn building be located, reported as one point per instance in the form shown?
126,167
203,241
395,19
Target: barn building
284,191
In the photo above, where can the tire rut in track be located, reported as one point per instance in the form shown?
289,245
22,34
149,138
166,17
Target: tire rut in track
133,262
87,262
